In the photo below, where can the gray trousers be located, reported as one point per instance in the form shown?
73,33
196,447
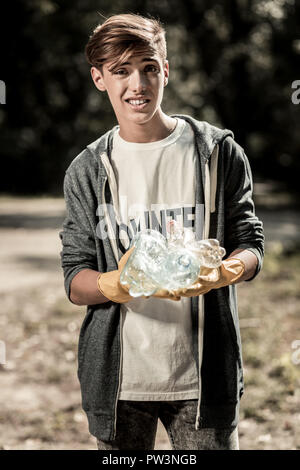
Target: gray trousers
137,425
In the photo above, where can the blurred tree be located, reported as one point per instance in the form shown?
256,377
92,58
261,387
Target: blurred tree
50,113
232,63
244,56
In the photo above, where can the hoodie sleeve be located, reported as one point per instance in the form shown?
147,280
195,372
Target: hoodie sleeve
78,241
243,229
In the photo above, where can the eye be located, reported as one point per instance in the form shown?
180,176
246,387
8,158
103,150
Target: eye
149,68
152,67
119,72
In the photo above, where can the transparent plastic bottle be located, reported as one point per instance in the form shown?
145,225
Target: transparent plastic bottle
170,263
181,268
143,270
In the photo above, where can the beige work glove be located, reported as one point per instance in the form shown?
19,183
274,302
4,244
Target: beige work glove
109,283
213,278
166,294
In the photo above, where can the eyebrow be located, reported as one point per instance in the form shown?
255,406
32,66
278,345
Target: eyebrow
146,59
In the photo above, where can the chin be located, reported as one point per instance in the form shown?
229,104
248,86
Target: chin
140,118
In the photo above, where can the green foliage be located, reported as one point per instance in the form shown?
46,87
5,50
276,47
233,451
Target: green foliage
232,63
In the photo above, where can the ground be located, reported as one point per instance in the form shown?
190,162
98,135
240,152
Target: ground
39,327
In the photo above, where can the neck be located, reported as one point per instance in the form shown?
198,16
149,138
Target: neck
159,127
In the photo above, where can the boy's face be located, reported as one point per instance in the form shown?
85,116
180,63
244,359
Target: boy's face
140,78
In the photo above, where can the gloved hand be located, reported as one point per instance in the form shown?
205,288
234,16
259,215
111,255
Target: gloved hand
213,278
166,294
109,283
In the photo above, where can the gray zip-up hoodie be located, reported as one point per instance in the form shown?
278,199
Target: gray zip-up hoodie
224,186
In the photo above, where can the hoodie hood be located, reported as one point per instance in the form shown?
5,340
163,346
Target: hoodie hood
208,137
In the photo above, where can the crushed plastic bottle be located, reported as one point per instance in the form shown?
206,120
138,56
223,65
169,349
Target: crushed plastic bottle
170,263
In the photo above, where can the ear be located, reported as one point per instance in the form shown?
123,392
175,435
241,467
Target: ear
166,72
98,79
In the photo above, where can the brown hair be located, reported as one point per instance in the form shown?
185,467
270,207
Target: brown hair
122,35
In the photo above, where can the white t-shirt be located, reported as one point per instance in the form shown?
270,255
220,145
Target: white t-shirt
156,183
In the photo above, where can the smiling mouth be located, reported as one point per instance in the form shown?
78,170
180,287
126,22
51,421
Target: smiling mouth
136,105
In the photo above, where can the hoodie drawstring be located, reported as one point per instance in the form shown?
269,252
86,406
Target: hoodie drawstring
213,178
210,190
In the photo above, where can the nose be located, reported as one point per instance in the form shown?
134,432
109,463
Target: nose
138,81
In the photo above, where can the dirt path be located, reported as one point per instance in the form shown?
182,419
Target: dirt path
40,395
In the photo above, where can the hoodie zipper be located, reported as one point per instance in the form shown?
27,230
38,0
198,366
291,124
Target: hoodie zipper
105,161
201,298
209,205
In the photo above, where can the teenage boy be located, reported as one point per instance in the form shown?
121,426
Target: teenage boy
175,356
